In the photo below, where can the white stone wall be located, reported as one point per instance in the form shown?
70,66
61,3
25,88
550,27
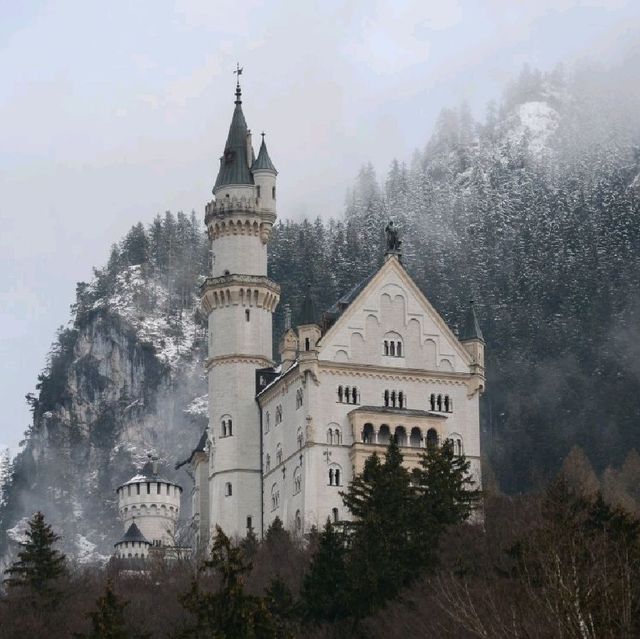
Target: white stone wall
154,513
239,254
231,334
131,550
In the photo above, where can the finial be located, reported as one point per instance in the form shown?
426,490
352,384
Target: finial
238,72
262,134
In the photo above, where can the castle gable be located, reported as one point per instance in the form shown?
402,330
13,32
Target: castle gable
391,323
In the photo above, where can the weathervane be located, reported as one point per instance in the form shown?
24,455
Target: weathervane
238,72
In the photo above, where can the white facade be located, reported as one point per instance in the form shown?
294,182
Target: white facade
384,364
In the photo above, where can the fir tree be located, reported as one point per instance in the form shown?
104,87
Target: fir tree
229,612
325,595
108,620
39,566
380,560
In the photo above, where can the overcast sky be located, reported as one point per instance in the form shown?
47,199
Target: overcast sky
113,112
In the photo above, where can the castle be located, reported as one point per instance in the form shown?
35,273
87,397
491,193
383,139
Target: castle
283,440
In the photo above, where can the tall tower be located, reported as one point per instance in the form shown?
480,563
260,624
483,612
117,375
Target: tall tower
239,299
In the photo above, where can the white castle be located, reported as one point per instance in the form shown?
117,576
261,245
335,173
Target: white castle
283,440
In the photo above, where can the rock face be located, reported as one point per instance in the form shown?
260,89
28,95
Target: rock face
124,380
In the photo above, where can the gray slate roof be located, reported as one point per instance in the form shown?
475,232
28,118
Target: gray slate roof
263,161
200,448
234,164
134,534
471,328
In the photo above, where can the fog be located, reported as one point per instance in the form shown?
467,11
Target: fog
109,115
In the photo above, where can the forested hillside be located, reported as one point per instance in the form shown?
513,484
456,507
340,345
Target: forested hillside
533,212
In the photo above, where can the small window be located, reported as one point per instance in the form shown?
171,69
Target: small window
298,521
335,514
247,315
258,190
278,454
158,487
340,394
249,523
307,344
137,489
148,488
273,192
228,489
267,422
129,491
267,462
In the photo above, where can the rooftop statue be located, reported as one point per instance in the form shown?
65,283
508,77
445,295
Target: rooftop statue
393,241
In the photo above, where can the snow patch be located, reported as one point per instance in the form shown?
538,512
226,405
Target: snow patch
86,552
199,407
538,122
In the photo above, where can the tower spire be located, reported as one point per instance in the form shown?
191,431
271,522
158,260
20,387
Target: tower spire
238,73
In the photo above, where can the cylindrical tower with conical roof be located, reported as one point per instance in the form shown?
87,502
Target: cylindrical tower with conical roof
152,504
240,300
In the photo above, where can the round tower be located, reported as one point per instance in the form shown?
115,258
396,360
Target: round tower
239,299
152,504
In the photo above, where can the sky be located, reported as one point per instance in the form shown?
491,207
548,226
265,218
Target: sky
113,112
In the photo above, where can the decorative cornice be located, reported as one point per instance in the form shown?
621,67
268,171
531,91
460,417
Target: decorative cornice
245,290
388,373
220,360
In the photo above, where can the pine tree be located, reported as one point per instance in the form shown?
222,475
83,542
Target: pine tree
281,607
39,566
324,594
380,559
108,621
229,612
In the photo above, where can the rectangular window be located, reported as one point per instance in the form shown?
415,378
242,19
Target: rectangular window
158,487
249,523
148,488
137,489
258,191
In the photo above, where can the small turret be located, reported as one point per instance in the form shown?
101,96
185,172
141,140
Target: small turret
308,334
473,340
264,175
288,347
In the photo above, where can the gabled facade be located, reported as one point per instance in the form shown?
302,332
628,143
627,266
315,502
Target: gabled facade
284,440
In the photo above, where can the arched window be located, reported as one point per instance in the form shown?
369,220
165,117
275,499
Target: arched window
278,414
298,521
228,489
384,435
334,512
267,422
393,399
307,344
297,481
368,434
399,349
432,438
415,438
229,427
299,438
273,192
247,315
226,429
446,403
432,401
386,398
278,454
335,473
337,436
330,436
275,496
267,462
401,399
340,394
386,347
401,436
439,403
392,348
299,398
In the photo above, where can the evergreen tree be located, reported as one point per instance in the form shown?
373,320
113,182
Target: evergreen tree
380,560
281,607
108,620
325,594
229,612
39,566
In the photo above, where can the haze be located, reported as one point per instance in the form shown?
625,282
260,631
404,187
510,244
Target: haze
111,113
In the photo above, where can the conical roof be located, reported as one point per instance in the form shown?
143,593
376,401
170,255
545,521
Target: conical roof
234,163
308,313
263,161
134,534
471,328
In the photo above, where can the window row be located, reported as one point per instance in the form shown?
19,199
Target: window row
348,395
392,348
395,399
334,436
441,403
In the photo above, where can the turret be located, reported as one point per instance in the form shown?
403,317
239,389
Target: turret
309,334
264,175
473,341
153,503
288,347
